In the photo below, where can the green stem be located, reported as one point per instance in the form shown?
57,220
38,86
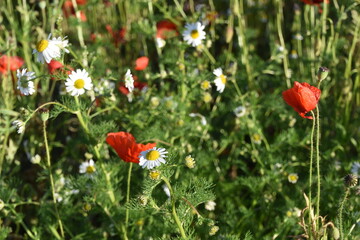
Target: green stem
176,218
52,181
341,213
279,19
128,194
311,170
27,230
318,164
96,151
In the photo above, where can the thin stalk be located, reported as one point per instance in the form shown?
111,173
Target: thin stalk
318,164
176,217
96,151
27,230
323,28
78,26
52,181
279,19
341,229
311,169
128,195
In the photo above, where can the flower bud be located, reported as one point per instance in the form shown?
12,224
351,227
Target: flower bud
87,207
154,175
322,73
336,233
350,180
44,113
213,230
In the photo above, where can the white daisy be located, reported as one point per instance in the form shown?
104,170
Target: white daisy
87,167
202,118
62,43
20,126
47,50
220,81
293,177
129,81
194,33
77,82
210,205
160,43
24,84
153,157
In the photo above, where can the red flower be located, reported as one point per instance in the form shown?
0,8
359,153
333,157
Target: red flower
10,63
302,97
141,63
118,35
54,65
126,147
315,2
69,10
166,29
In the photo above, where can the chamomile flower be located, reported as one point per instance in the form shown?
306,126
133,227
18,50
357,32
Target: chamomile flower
293,177
62,43
87,167
220,80
194,33
240,111
20,126
160,43
24,84
47,50
152,158
210,205
129,81
77,82
205,85
189,161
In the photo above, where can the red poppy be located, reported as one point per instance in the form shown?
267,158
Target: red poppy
126,147
118,35
10,63
315,2
302,97
69,10
166,29
141,63
54,65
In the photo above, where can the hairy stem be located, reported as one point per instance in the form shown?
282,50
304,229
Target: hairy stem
52,180
176,217
341,213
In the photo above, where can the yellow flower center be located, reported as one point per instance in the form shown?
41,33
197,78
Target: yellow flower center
205,85
293,178
152,155
154,175
223,78
194,34
79,83
42,45
90,169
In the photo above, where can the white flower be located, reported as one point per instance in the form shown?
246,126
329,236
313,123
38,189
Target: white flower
160,43
240,111
166,190
35,159
129,81
220,80
355,168
202,118
20,126
61,43
87,167
47,50
77,82
210,205
194,33
152,158
293,177
24,84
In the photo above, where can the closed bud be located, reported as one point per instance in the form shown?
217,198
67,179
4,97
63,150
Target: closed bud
336,233
44,113
87,207
350,180
154,175
322,73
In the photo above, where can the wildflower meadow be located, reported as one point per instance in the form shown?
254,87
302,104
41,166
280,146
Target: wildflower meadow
179,119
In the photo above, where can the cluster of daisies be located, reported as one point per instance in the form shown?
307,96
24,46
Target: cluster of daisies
194,34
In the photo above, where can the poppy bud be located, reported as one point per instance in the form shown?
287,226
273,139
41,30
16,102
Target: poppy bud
322,73
44,113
